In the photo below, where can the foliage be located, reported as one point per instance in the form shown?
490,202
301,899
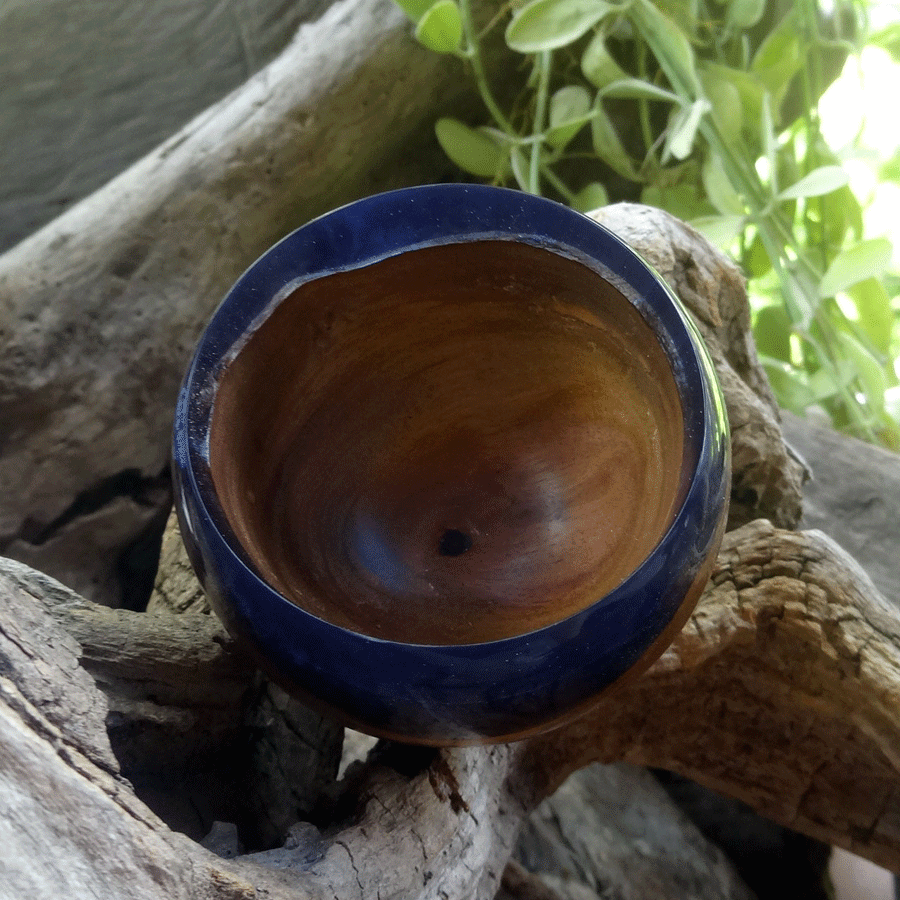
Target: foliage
709,109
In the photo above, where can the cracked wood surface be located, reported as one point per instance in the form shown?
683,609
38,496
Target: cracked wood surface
446,831
783,691
181,699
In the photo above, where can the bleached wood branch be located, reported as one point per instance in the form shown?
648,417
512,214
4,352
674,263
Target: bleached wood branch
783,690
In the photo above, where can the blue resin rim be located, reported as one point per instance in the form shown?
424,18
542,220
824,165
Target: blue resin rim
625,621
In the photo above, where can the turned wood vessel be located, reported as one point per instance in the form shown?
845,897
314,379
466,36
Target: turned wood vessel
452,461
454,445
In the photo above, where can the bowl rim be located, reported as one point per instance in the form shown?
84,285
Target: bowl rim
579,238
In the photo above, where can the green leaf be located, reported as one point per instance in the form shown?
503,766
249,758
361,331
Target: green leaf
472,150
820,181
415,9
756,261
888,38
670,46
592,196
570,110
744,14
748,86
548,24
855,264
569,103
635,89
519,168
800,297
889,170
682,129
720,231
843,217
779,57
892,408
681,200
772,332
608,146
597,65
868,369
889,422
828,382
440,29
768,139
727,108
876,318
789,385
719,189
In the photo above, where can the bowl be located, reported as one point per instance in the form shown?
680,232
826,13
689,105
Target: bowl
451,462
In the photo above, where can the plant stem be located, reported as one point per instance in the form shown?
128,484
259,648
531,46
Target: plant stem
644,109
812,89
542,65
557,184
473,53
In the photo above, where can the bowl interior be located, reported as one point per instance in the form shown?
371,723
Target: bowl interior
456,444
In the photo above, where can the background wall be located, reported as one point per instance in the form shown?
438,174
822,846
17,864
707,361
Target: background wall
89,86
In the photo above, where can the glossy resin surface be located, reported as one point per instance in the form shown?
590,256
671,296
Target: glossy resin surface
451,461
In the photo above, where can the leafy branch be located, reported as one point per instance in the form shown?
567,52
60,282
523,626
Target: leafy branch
708,108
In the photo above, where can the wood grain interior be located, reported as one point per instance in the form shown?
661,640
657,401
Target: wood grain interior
454,445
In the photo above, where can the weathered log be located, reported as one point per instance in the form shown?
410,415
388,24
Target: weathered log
613,830
783,690
176,589
853,495
102,306
766,479
182,701
444,831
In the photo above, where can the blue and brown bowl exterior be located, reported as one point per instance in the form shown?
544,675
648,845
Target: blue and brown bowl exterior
485,692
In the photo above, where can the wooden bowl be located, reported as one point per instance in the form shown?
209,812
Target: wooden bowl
452,461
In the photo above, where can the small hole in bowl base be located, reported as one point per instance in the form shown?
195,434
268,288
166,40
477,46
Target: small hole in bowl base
454,542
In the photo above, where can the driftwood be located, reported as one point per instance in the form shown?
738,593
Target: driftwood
785,687
108,299
783,690
609,830
853,494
